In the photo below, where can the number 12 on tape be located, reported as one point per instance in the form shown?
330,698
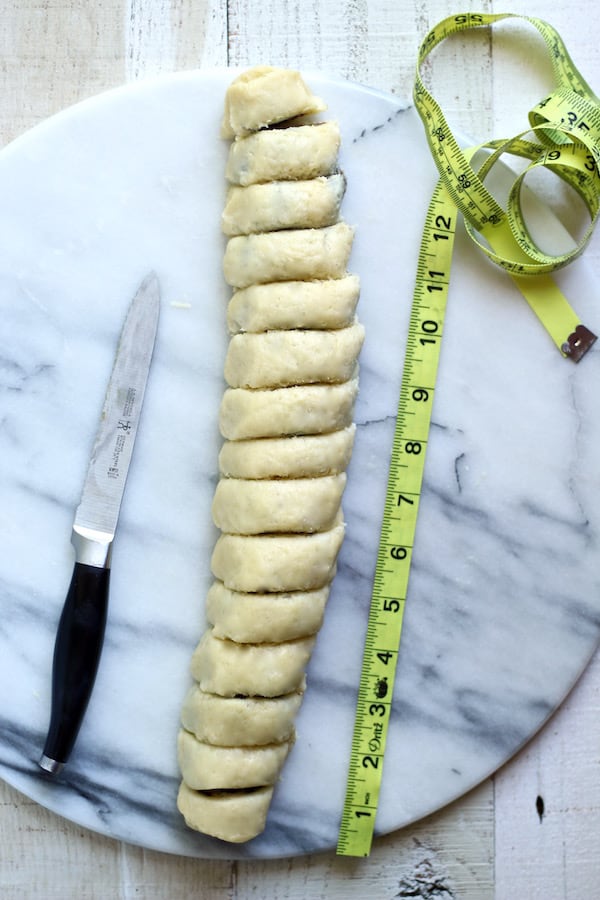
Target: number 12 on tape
392,569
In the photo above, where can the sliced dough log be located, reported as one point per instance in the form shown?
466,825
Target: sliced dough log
283,204
274,563
294,304
287,420
284,358
240,721
305,409
284,154
206,767
251,670
270,618
235,816
304,505
304,254
288,457
264,96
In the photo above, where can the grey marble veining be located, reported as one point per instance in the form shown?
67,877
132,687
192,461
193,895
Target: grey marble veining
504,605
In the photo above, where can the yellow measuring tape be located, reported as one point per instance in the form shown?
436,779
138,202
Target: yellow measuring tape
564,137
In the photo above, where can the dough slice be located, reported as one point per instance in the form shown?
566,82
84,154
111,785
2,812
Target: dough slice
264,96
294,304
284,154
240,721
258,618
272,563
305,409
283,204
235,816
305,505
288,457
206,767
303,255
251,670
284,358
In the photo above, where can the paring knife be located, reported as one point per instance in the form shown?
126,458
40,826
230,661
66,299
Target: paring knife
81,627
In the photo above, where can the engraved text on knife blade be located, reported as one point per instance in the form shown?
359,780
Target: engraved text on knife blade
113,447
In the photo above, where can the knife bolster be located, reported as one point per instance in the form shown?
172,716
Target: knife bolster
92,548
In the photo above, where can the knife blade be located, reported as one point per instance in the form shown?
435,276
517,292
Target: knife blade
81,627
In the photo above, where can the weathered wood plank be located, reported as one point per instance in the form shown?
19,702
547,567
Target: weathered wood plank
448,855
55,859
548,804
169,35
52,56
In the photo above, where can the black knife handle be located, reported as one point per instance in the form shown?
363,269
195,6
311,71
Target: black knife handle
76,656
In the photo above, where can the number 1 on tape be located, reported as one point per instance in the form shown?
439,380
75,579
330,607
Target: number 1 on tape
394,556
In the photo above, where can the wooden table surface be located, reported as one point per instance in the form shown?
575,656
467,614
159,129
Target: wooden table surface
533,829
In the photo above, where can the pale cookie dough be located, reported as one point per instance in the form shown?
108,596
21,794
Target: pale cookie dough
264,96
286,416
284,358
205,767
235,816
283,204
294,304
284,154
304,505
251,670
259,618
240,721
305,409
303,255
288,457
271,563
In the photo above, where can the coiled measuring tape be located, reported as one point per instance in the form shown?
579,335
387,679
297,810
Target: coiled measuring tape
564,137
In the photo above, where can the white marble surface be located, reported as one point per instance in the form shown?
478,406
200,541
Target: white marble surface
504,608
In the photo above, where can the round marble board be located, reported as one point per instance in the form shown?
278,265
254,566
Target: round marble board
504,603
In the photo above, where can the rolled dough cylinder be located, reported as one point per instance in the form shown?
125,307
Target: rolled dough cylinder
206,767
284,154
286,416
258,618
285,358
305,409
277,563
294,304
283,204
240,721
251,670
235,816
288,457
303,255
298,505
264,96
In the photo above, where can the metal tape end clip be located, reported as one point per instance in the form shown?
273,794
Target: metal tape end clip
578,343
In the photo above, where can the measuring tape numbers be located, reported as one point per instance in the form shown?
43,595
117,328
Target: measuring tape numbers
394,557
564,136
